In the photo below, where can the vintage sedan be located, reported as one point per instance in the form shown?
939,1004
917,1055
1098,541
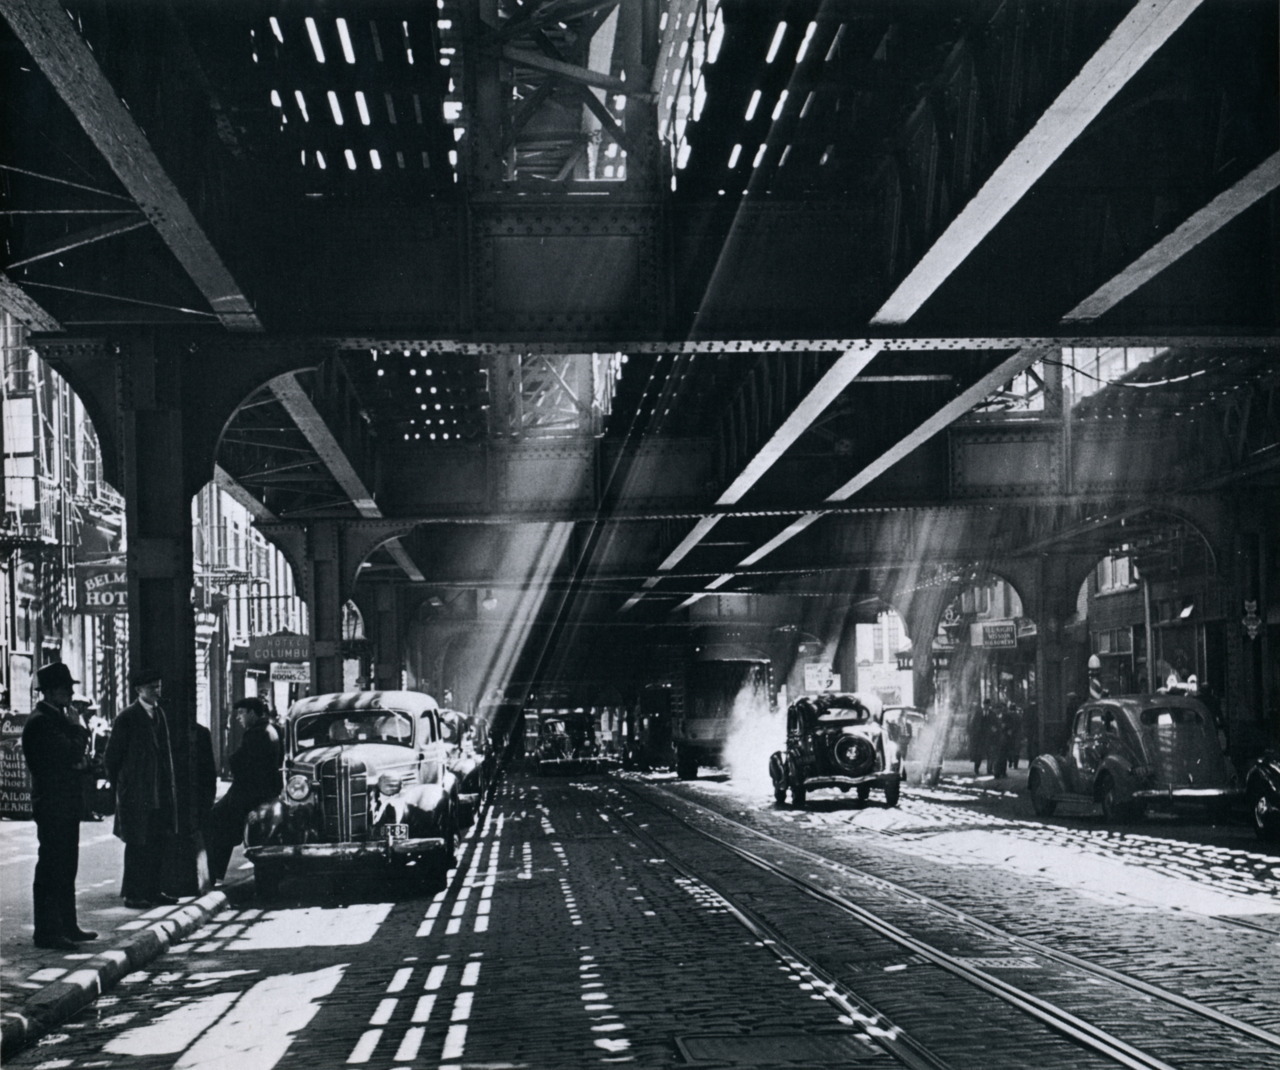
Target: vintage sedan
466,762
836,741
1128,752
367,786
1262,789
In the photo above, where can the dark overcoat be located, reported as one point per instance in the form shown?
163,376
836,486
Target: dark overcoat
140,765
255,766
54,749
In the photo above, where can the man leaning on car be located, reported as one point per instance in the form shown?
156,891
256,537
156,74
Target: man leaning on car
255,779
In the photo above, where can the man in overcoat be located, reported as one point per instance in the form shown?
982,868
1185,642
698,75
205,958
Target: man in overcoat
141,767
53,746
255,779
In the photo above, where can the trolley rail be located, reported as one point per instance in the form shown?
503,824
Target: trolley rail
893,1039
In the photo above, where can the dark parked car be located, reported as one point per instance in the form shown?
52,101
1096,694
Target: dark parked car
1262,788
567,744
367,786
1131,751
835,741
466,761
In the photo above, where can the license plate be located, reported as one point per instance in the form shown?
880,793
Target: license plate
395,832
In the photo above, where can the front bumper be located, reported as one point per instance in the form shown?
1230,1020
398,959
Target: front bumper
305,855
874,779
1188,794
571,766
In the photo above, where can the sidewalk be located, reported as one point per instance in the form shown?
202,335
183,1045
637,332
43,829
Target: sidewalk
39,989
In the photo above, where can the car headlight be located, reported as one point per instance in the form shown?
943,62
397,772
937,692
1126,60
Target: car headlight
297,788
388,784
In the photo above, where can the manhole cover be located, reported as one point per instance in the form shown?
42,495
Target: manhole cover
778,1049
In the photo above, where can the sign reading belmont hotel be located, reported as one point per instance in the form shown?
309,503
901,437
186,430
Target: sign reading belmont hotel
102,589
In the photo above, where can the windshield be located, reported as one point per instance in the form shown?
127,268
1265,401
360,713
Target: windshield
354,726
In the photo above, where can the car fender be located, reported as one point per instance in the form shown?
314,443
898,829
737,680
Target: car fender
1264,777
778,768
1049,767
263,823
1120,769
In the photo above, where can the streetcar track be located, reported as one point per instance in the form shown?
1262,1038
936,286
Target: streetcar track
1062,957
895,1041
1053,1016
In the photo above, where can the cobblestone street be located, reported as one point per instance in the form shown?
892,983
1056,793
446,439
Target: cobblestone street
590,922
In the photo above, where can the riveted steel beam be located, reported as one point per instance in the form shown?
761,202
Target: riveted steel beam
302,410
66,60
887,338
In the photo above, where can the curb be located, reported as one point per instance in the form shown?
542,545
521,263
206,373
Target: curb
61,1000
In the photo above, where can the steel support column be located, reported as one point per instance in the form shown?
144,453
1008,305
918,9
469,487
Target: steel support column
162,630
1061,662
385,629
326,593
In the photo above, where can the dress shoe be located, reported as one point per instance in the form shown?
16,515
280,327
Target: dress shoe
165,900
139,904
81,935
56,943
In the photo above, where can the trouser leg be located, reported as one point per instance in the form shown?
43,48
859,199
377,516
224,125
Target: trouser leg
53,888
222,833
144,862
70,867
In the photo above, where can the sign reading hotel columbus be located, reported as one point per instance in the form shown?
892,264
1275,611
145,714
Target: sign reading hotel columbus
102,589
280,648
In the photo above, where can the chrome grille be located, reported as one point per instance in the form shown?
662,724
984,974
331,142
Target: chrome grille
344,801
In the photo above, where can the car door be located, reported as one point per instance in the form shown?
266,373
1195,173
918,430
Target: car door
1086,749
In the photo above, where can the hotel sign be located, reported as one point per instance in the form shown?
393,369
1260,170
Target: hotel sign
280,648
102,589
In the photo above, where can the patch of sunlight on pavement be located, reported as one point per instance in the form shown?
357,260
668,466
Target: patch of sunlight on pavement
881,818
313,927
250,1030
1073,867
173,1032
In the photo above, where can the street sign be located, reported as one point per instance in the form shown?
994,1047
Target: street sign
820,678
994,633
280,648
293,672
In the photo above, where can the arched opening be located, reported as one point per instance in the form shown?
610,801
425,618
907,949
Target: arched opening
984,675
244,592
63,584
1152,613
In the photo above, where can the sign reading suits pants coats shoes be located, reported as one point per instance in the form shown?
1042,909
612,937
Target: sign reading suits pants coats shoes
15,781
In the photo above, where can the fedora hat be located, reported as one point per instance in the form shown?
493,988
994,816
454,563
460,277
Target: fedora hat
146,675
55,674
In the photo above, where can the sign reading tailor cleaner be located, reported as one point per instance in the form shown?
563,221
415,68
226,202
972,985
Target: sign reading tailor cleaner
102,589
15,782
